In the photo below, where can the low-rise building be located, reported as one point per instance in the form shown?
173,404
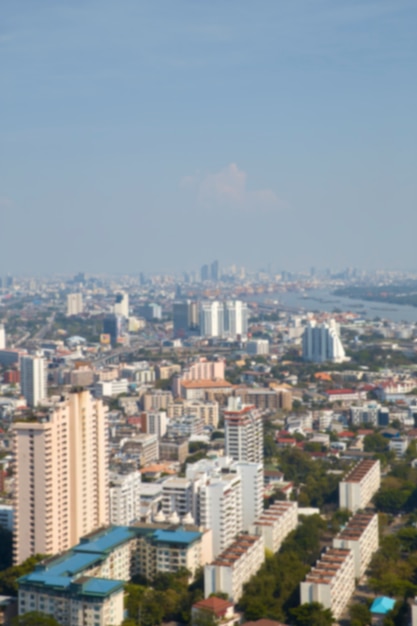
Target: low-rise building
276,523
331,582
359,486
234,567
361,535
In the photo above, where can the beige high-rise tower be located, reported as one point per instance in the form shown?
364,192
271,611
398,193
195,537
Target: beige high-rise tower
61,470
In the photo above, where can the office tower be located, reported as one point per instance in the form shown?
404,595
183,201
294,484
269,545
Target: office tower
243,432
204,273
211,319
121,305
74,304
33,379
321,342
151,311
214,271
185,317
61,476
2,337
142,279
235,319
125,498
9,281
112,325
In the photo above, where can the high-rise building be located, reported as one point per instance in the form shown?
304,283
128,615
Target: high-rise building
112,325
2,337
151,311
185,317
204,273
235,319
321,342
124,498
74,304
121,305
61,476
33,379
214,271
243,432
211,319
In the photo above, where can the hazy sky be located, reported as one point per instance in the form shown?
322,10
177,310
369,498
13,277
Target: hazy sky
144,135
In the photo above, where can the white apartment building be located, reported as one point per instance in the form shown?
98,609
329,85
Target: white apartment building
235,319
211,319
61,476
331,582
125,505
243,432
33,379
252,481
361,535
399,446
177,496
275,524
321,342
360,485
257,347
365,414
2,337
219,507
234,567
156,423
121,305
74,304
110,388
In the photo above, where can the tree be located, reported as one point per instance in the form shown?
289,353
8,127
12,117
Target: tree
360,615
34,618
313,614
10,576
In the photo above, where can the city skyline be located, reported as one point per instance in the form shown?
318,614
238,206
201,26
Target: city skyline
255,135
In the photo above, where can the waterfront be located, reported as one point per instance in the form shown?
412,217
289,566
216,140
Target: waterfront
325,300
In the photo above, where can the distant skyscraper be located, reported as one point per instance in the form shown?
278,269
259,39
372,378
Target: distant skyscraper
33,379
204,273
121,305
321,342
112,325
151,311
214,271
2,337
185,317
61,472
74,304
211,319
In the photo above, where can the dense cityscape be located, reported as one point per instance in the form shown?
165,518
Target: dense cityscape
215,447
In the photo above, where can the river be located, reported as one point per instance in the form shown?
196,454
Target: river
325,300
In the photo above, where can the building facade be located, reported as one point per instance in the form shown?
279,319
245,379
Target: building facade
61,476
360,485
33,379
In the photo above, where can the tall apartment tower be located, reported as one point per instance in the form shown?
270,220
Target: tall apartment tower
61,470
74,304
243,432
33,379
321,342
185,317
121,305
235,319
2,337
211,319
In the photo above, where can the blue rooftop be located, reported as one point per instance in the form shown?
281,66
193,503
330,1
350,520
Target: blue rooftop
63,571
176,536
382,605
106,541
101,586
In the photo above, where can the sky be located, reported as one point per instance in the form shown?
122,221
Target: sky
158,135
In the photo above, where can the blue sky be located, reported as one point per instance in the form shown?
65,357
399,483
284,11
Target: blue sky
153,135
